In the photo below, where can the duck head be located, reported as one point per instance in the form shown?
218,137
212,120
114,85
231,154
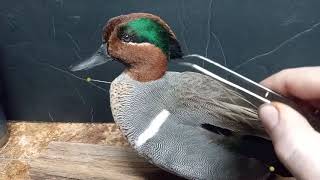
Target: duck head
142,42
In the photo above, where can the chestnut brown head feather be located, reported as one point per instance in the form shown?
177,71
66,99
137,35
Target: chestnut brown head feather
143,42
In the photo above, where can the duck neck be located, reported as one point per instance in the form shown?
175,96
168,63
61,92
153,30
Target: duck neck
150,71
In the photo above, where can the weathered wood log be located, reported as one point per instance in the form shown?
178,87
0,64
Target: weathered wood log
28,139
87,161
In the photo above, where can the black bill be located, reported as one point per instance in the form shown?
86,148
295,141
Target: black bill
99,57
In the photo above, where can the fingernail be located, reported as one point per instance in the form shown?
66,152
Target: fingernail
269,116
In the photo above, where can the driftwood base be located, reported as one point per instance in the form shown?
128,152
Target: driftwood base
71,151
87,161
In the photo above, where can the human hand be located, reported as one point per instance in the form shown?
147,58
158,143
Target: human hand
296,143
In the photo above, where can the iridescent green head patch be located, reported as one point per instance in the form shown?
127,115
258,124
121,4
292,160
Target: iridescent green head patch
146,30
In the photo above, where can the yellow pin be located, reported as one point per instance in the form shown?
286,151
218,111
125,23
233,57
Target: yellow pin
88,79
271,168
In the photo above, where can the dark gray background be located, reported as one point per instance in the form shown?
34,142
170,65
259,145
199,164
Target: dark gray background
38,36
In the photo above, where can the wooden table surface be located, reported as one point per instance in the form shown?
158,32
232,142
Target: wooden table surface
28,143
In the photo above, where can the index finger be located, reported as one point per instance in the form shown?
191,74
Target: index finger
303,83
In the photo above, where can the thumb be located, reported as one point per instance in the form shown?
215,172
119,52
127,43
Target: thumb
296,143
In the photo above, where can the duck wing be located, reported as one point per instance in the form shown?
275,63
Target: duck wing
229,115
224,106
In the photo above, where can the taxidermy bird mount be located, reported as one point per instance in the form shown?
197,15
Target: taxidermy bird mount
192,124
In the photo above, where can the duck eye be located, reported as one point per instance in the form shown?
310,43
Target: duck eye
126,38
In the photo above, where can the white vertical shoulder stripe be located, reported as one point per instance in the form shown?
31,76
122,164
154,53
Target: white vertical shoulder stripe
153,127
